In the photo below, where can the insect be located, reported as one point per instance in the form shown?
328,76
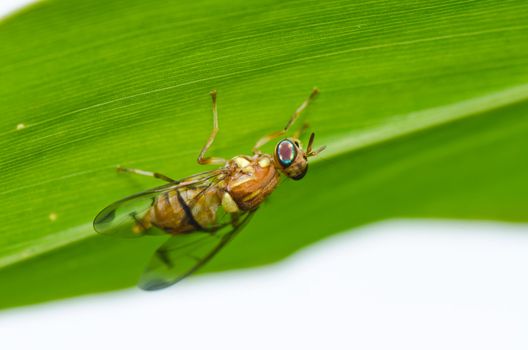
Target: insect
203,212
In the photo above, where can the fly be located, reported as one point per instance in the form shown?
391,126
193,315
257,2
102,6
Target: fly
203,212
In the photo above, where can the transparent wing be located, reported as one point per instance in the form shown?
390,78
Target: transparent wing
123,218
183,254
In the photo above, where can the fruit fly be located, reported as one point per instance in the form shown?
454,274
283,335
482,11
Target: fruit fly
203,212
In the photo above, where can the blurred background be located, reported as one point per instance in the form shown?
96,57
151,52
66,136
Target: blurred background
409,234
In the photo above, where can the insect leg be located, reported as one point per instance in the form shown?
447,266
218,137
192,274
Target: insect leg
300,132
309,151
234,219
292,120
144,173
211,160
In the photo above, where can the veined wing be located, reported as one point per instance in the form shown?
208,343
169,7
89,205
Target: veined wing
183,254
123,218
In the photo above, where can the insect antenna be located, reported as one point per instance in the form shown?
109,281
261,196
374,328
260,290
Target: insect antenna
309,152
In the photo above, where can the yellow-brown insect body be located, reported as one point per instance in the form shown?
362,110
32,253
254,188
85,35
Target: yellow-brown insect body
183,211
243,185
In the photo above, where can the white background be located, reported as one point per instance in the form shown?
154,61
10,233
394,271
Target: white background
9,6
394,285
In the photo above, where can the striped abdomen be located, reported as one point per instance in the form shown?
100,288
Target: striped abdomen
185,210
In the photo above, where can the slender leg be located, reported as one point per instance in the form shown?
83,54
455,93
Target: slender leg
211,160
300,132
292,120
144,173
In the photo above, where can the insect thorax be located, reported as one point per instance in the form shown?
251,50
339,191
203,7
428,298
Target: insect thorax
251,180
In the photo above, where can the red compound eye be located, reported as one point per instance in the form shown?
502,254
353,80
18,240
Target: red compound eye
286,152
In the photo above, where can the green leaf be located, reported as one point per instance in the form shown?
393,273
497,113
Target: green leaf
423,106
